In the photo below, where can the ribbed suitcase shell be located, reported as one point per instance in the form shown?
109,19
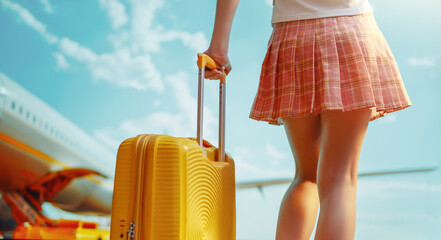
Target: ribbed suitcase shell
171,188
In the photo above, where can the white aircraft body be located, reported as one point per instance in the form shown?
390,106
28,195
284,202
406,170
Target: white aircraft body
35,140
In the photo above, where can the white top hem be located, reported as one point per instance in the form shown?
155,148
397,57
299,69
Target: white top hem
334,13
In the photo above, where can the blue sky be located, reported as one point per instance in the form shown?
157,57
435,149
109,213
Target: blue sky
120,68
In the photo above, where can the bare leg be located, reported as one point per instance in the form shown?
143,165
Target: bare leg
298,211
341,141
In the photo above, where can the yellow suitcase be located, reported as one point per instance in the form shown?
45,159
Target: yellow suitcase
175,188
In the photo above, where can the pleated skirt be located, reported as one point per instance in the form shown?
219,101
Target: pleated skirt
334,63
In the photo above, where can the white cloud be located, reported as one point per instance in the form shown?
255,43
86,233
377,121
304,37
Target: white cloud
155,123
77,51
196,41
273,153
121,68
389,190
47,6
269,2
188,106
422,62
250,164
116,12
388,118
143,14
407,186
109,137
181,123
149,38
30,20
391,118
61,60
398,217
182,92
121,39
130,64
126,70
157,103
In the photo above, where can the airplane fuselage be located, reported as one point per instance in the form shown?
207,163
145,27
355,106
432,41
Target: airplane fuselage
35,140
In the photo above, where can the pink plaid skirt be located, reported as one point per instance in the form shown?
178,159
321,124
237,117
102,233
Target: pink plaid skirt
329,63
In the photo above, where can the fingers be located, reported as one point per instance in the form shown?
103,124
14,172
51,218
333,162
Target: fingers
213,74
222,59
228,68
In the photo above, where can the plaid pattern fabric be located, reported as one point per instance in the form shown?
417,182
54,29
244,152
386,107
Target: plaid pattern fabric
329,63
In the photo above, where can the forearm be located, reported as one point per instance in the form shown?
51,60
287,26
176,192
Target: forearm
225,11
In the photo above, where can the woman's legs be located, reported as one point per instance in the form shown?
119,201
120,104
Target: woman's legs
298,210
337,138
341,141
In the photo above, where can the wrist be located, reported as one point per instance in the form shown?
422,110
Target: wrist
218,47
219,56
217,51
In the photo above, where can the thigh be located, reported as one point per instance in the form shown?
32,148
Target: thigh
304,137
341,141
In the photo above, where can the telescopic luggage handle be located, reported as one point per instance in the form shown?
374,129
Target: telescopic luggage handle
204,61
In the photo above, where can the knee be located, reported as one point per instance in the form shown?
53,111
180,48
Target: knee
303,178
332,181
303,185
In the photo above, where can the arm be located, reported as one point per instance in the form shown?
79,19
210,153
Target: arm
218,50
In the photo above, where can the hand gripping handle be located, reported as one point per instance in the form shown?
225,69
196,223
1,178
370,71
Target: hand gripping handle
204,61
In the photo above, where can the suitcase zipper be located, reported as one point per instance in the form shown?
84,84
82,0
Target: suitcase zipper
131,231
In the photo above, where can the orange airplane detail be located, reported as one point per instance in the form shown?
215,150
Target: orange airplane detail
31,150
62,229
52,183
46,158
34,225
23,212
42,155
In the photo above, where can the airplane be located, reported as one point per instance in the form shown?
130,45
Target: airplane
46,158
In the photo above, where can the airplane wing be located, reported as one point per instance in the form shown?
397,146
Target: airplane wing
264,183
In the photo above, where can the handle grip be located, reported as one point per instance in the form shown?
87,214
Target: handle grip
203,62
